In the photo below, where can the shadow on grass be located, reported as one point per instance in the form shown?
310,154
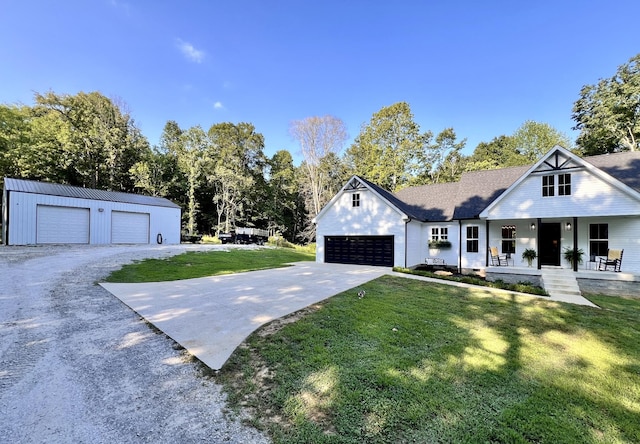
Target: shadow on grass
423,362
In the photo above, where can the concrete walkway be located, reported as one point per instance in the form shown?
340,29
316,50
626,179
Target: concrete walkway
211,316
566,298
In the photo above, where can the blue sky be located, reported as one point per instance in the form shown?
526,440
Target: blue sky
481,67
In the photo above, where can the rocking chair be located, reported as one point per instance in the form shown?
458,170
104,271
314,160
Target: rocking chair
613,259
498,259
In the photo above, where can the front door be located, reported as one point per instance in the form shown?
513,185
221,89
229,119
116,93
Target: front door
550,244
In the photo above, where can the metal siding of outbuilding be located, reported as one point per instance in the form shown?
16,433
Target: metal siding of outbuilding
22,217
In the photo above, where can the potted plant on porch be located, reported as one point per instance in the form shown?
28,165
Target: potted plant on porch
573,255
529,254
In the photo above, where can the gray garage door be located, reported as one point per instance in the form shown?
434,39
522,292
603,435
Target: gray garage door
362,250
62,225
129,228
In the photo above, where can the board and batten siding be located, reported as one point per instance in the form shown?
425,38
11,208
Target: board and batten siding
590,196
374,217
22,217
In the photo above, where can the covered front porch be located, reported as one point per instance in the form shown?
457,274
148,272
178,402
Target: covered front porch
549,240
589,280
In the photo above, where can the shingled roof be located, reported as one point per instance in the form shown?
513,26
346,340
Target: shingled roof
623,166
476,190
54,189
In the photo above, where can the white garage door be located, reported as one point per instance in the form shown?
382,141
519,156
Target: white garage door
129,228
62,225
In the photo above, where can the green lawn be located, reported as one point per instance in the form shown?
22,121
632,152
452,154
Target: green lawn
199,264
421,362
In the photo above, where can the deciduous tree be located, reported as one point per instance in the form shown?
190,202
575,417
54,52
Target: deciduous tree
390,150
607,114
101,141
318,138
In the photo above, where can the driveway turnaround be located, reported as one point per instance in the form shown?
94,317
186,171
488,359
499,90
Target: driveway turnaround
211,316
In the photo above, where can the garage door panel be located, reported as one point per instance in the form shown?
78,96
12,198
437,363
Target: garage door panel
62,225
361,250
129,228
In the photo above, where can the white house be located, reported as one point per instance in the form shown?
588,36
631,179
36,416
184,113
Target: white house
46,213
561,202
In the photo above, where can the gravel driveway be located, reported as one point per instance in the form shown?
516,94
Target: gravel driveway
77,365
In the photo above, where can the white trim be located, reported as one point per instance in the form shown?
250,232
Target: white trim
344,190
583,163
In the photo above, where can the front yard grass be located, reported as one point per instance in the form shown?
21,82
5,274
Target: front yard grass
422,362
200,264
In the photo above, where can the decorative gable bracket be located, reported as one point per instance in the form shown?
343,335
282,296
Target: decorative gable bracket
355,185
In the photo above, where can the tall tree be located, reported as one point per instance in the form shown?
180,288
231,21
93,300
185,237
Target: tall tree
284,203
235,170
499,153
533,139
444,159
390,150
318,138
101,142
607,114
190,155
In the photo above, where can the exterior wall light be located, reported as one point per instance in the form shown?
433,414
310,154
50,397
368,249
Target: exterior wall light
532,227
100,210
568,226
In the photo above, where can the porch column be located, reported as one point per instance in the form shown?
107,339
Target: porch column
486,247
538,243
575,241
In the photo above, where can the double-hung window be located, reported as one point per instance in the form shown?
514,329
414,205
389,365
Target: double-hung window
598,239
472,239
509,239
355,200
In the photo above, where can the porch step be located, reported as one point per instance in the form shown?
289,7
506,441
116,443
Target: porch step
560,282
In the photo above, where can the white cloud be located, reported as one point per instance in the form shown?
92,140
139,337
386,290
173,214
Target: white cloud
190,52
218,105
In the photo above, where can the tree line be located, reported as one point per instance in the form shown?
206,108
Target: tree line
222,178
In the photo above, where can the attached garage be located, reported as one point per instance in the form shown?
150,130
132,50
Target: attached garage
62,225
361,250
46,213
129,228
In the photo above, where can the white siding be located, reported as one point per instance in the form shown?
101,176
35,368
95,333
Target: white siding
449,255
374,217
470,260
22,217
415,248
525,238
590,196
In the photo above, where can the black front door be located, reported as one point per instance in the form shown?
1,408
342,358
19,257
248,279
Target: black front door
550,244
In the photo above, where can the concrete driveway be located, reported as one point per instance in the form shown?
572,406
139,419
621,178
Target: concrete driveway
211,316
